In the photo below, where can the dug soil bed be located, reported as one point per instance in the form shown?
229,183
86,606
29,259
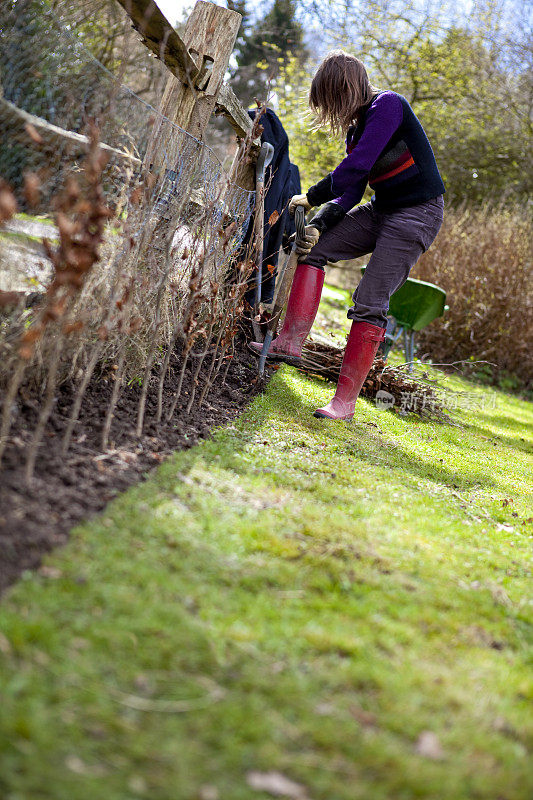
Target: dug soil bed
67,489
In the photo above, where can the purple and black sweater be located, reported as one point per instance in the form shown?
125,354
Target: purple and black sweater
389,150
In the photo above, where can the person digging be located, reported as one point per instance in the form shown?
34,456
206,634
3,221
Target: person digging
387,148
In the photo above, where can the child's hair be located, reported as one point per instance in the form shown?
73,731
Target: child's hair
339,90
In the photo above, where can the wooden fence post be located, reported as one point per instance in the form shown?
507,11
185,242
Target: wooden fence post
209,37
167,44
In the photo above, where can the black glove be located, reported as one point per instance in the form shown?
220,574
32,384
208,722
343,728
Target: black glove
321,192
328,216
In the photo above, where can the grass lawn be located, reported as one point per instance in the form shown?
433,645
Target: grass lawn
346,604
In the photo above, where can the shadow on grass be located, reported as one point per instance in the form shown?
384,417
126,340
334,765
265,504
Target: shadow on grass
512,442
369,444
509,423
367,441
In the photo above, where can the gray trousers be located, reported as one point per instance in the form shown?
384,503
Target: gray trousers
396,241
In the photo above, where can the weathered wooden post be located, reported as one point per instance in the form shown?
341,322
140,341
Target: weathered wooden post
189,101
197,60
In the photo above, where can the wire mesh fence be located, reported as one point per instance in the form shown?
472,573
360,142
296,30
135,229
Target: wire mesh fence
102,261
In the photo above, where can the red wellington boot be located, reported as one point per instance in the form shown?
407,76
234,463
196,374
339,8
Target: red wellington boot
304,299
361,347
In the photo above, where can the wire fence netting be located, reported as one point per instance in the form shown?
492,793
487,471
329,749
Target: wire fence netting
106,260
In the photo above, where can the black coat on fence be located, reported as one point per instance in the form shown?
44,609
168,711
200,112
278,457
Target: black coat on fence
282,180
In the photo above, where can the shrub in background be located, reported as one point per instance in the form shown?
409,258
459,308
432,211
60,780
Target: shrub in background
482,258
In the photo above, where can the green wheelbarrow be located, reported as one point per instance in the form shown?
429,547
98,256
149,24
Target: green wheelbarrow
413,306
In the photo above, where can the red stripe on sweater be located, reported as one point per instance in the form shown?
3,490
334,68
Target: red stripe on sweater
405,156
409,163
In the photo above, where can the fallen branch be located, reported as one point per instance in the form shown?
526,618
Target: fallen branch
56,134
324,361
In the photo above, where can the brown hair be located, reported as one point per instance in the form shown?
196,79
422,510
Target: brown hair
339,90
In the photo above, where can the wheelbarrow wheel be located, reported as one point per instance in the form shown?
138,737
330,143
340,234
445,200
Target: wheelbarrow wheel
385,345
384,348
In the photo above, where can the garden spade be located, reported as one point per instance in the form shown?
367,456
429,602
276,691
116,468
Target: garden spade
283,287
265,157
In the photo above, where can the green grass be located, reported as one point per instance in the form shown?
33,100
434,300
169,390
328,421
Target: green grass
293,595
41,218
17,236
23,236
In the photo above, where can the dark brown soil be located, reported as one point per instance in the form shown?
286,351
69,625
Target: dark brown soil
66,490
